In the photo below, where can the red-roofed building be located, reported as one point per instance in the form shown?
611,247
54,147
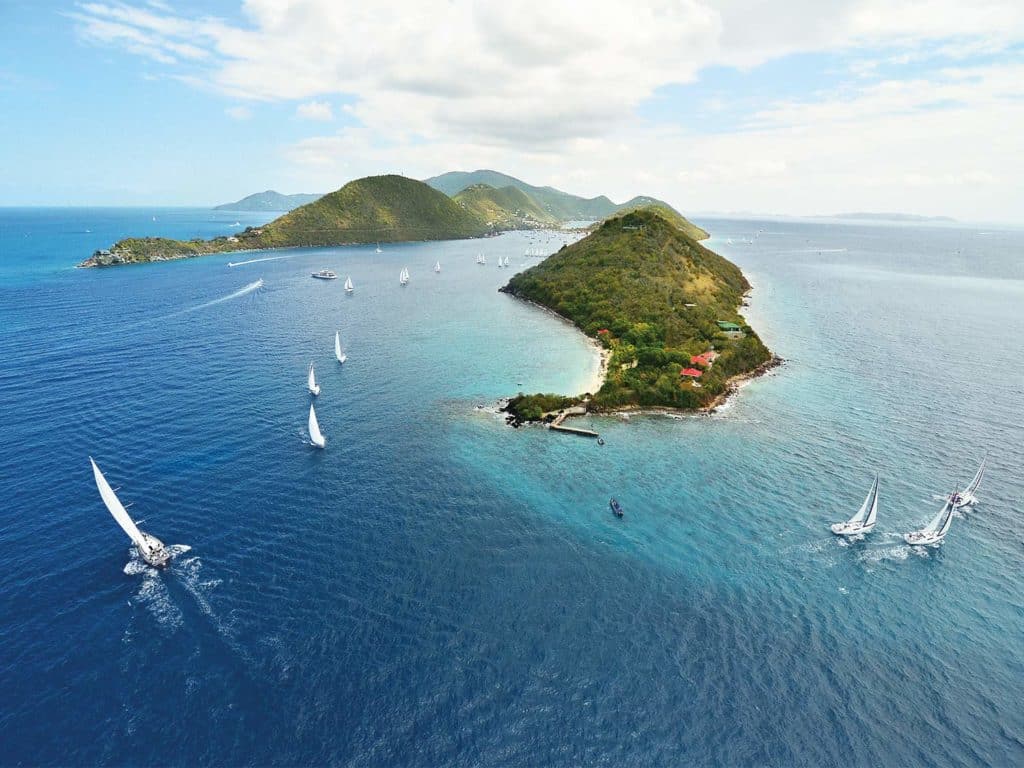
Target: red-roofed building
704,359
691,372
603,330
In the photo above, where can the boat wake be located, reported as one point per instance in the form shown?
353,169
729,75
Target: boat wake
153,594
255,285
257,261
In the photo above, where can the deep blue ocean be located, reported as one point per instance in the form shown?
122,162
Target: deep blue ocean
437,589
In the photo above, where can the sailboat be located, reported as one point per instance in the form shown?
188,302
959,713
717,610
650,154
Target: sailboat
506,261
342,357
864,520
150,547
936,530
481,259
378,248
437,266
314,388
967,498
316,437
403,278
348,285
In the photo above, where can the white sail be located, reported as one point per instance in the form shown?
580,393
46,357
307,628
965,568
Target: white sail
873,511
977,479
315,435
117,509
947,520
437,266
348,284
311,381
941,519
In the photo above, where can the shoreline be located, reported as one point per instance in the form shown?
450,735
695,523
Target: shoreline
597,378
732,385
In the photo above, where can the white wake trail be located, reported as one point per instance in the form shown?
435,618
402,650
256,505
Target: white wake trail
257,261
253,286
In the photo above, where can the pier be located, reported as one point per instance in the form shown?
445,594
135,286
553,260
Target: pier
560,416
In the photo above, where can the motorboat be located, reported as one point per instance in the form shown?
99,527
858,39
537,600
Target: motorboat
325,274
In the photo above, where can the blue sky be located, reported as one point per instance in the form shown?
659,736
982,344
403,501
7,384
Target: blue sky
800,108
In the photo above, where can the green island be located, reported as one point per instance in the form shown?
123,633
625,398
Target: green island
373,209
663,308
391,209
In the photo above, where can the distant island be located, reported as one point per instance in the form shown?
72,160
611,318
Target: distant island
268,201
663,308
391,209
908,217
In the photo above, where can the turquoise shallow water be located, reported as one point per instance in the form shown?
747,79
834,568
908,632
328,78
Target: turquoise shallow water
438,589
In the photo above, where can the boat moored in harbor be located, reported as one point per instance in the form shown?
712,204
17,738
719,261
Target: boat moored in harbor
325,274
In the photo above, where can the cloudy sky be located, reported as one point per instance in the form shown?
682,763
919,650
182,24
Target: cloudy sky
789,106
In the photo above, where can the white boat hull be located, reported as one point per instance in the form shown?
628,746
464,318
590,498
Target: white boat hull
314,390
851,529
966,500
154,553
923,538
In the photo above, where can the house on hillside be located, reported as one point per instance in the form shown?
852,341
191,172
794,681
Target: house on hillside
732,330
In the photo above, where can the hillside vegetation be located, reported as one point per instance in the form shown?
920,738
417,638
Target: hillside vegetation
375,208
651,295
505,208
560,206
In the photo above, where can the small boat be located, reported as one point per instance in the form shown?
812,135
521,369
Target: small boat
437,266
616,507
481,259
348,285
403,277
864,520
968,497
314,388
325,274
936,530
150,547
378,248
316,437
342,357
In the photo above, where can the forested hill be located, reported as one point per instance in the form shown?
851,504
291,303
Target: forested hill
375,208
654,297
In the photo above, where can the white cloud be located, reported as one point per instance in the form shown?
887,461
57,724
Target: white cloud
315,110
239,112
549,91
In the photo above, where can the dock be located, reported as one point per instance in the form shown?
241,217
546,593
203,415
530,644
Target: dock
560,416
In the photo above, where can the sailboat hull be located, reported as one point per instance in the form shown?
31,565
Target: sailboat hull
314,390
154,553
923,538
966,500
851,529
